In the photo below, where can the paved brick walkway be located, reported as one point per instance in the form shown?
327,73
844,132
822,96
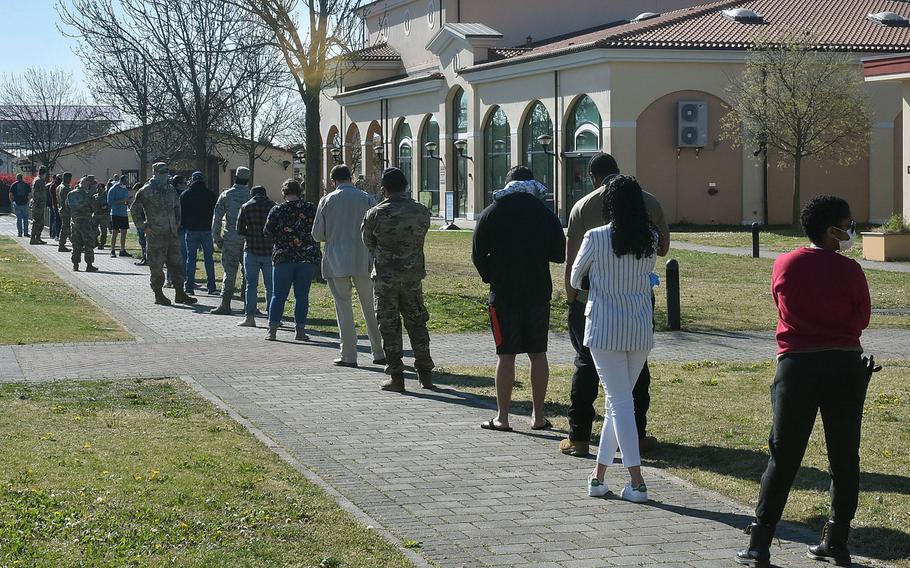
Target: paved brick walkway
416,466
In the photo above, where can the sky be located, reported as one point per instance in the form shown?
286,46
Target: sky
30,38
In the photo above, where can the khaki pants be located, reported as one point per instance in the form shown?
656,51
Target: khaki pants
342,293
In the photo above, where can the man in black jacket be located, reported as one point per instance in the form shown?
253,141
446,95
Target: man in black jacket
197,204
515,239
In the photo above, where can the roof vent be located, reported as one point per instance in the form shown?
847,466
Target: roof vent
891,19
743,16
644,16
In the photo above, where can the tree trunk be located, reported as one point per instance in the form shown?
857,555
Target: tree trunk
797,206
201,150
143,154
313,171
251,157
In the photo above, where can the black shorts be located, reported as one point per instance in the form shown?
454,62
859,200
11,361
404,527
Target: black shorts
521,328
121,223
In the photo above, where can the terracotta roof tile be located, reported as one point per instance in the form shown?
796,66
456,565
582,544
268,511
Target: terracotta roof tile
378,52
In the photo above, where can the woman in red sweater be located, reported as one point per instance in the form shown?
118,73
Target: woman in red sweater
823,307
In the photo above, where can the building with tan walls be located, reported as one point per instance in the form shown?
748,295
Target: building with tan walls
490,83
108,157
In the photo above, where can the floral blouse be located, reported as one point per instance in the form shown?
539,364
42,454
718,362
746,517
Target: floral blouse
290,226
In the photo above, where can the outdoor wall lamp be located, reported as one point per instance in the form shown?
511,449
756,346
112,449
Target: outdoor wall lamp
461,146
379,151
431,148
545,141
300,156
336,154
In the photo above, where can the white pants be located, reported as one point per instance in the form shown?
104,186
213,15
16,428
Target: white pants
341,291
618,372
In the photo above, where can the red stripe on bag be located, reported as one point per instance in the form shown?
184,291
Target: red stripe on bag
497,332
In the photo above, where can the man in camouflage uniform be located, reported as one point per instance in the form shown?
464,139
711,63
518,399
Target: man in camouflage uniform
156,210
63,191
39,206
102,216
80,207
394,231
230,242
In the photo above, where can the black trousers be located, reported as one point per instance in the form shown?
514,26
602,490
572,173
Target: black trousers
833,382
586,384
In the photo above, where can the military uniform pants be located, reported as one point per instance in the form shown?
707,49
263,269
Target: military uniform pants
231,262
37,223
396,301
64,227
101,231
82,239
161,250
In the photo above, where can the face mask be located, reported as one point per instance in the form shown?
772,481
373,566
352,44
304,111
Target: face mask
847,244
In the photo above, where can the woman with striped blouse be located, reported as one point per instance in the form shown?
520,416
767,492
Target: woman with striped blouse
617,260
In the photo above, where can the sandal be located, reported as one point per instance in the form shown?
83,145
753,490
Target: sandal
545,426
490,425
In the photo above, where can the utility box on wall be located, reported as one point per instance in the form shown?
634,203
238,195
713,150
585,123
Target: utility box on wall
692,124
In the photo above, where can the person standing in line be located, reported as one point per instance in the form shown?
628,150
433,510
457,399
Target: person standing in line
19,195
823,306
197,206
515,240
118,200
617,260
81,206
587,214
295,256
102,214
54,218
346,262
257,254
395,232
178,182
156,210
140,232
62,192
229,242
38,206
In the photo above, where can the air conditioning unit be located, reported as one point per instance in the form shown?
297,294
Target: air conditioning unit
692,124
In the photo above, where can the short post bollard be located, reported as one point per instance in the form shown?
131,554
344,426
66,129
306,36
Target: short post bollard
674,318
756,228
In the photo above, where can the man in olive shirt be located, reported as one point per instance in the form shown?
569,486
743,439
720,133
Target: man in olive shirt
587,214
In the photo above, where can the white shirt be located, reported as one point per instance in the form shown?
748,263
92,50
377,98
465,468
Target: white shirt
619,315
338,219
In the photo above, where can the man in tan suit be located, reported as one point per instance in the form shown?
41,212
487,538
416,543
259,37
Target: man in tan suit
346,262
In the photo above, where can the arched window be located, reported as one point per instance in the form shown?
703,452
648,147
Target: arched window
404,149
497,137
583,138
460,132
536,156
429,167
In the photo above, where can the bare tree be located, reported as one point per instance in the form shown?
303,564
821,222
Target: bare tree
802,101
268,110
44,112
331,28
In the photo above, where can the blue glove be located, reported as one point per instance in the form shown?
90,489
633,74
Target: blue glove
655,279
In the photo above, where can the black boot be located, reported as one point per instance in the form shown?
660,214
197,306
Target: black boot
759,551
833,546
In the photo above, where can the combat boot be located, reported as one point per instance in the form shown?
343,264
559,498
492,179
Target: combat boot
301,335
272,333
91,268
75,267
62,248
426,379
395,383
161,299
833,546
759,552
224,309
181,297
248,321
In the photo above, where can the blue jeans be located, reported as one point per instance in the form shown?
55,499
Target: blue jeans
22,213
140,234
193,241
284,275
54,223
253,264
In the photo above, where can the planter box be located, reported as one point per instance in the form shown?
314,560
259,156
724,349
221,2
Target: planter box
885,247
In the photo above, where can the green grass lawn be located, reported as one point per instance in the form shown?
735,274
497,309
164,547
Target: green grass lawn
718,292
774,238
38,307
146,473
720,440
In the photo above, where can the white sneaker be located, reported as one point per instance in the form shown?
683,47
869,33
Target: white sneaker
634,494
597,488
248,321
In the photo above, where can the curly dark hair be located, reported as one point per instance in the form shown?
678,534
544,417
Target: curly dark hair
822,212
625,207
